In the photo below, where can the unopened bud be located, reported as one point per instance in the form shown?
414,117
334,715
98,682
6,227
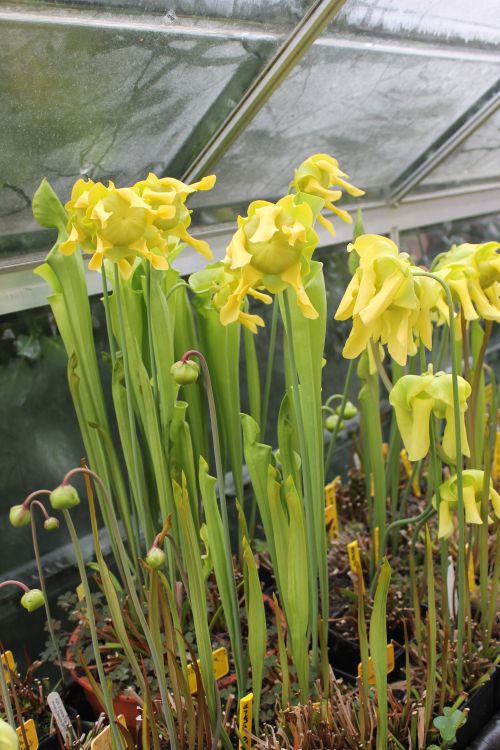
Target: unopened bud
331,422
185,373
51,523
32,599
155,558
64,497
350,410
19,516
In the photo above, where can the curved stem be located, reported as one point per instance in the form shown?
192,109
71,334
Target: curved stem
269,368
458,450
380,367
179,285
238,647
345,398
13,582
41,577
131,590
152,358
108,700
29,499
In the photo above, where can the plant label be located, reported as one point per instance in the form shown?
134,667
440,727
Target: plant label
355,561
30,734
331,515
245,722
376,542
103,739
371,673
80,592
220,666
9,665
60,714
471,575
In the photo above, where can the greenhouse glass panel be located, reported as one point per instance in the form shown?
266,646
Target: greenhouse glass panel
112,96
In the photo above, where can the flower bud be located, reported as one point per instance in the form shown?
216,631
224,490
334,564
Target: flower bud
155,558
19,516
350,410
331,422
185,373
8,737
51,524
64,497
32,599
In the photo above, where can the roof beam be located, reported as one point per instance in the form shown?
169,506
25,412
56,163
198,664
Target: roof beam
274,73
454,136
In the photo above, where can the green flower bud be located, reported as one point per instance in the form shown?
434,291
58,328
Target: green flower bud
185,373
19,516
350,410
331,422
32,599
51,524
8,737
155,558
64,497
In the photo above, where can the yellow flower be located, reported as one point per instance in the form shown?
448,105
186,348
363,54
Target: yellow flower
120,224
473,481
213,286
316,176
415,398
272,249
473,274
386,302
167,197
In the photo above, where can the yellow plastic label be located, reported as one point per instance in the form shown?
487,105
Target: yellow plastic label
9,665
355,560
220,666
371,673
471,575
31,736
103,739
331,515
496,459
385,450
80,592
245,721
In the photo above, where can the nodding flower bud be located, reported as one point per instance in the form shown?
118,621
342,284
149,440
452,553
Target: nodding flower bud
155,558
8,737
19,516
64,497
350,410
185,373
51,524
331,422
32,599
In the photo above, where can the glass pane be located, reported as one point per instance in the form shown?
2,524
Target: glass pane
477,159
111,97
450,20
375,109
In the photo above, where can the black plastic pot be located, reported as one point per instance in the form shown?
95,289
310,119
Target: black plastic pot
489,738
482,705
344,657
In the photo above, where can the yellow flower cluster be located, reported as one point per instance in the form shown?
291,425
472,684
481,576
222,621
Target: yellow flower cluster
473,274
386,302
415,398
473,481
120,224
317,175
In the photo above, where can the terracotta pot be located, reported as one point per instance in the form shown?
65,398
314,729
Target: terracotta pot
123,704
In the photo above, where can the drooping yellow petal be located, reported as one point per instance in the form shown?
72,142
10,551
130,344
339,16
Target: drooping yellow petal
471,511
445,521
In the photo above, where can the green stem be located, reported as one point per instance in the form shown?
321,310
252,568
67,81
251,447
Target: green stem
238,646
460,493
380,367
443,548
269,368
41,577
108,701
107,313
152,357
345,398
157,657
308,500
136,485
